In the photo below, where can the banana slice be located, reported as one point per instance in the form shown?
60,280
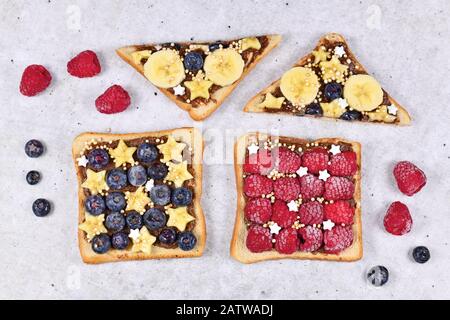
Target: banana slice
300,85
223,66
164,69
363,92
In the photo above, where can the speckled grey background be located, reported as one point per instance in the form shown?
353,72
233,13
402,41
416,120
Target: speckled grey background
403,43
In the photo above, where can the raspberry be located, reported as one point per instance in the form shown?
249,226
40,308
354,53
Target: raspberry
281,214
410,179
287,241
114,100
315,159
288,161
35,79
258,210
311,238
339,212
343,164
260,162
311,186
338,188
84,65
257,185
397,220
258,239
338,239
311,213
286,189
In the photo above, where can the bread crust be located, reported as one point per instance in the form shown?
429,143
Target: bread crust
191,136
238,249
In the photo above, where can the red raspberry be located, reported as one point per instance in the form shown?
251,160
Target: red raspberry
281,214
311,186
84,65
114,100
35,79
286,189
260,162
288,161
258,210
410,179
338,188
311,213
311,238
397,220
287,241
258,239
315,159
338,239
339,212
343,164
256,185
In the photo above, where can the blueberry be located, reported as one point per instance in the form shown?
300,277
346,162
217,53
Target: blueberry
181,196
332,91
421,254
193,61
101,243
115,221
186,240
98,159
134,220
378,276
137,175
314,109
115,201
160,194
146,152
154,219
214,46
34,148
41,207
351,115
116,179
167,236
95,205
157,171
33,177
120,240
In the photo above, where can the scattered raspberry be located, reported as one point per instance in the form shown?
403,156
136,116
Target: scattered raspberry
258,210
311,238
311,213
315,159
35,79
114,100
338,188
286,189
311,186
260,162
281,214
288,161
397,220
84,65
338,239
256,185
339,212
258,239
343,164
410,179
287,241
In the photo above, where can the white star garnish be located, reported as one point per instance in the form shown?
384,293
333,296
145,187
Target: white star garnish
324,175
392,109
158,47
302,171
328,225
134,234
82,161
342,103
253,148
274,228
149,185
179,90
335,149
293,206
339,51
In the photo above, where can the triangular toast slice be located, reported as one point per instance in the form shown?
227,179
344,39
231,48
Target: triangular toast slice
330,82
198,76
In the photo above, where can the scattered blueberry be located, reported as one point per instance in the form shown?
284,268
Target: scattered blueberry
421,254
314,109
34,148
186,240
193,61
137,175
160,194
146,152
378,276
115,221
116,179
120,240
154,219
181,196
134,220
41,207
98,159
95,205
214,46
167,236
33,177
101,243
157,171
351,115
115,201
332,91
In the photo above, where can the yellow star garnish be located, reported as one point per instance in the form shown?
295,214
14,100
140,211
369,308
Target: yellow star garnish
271,102
122,154
381,114
178,173
332,109
198,88
139,55
93,225
137,200
144,242
333,69
171,150
179,218
250,43
320,55
95,181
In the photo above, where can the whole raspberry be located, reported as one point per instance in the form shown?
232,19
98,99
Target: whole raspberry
287,241
311,213
288,161
315,159
398,220
338,239
410,179
256,185
114,100
338,188
311,186
84,65
311,238
258,239
35,79
260,162
343,164
339,212
281,214
258,210
286,189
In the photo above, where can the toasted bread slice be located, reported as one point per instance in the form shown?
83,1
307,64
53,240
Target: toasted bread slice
238,247
388,111
200,108
192,153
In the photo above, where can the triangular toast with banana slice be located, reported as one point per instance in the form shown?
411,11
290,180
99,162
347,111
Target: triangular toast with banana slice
330,82
198,76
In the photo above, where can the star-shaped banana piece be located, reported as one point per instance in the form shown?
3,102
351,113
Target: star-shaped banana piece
122,154
139,55
179,218
332,109
137,200
271,102
178,173
198,88
95,181
144,242
93,225
381,114
333,69
320,55
171,150
250,43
